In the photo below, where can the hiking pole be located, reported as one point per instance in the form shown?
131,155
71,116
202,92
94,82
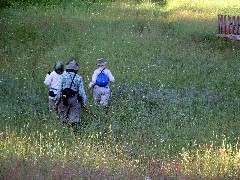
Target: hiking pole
87,110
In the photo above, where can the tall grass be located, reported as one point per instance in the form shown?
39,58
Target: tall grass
175,107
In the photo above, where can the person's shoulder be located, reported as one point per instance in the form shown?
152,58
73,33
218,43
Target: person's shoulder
97,70
64,73
52,73
79,77
107,70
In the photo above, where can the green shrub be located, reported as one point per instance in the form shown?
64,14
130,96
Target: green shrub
5,3
8,3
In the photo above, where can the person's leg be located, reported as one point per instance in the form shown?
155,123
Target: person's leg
76,127
96,94
52,107
74,114
63,112
105,94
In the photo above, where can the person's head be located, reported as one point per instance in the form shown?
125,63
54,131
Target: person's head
59,67
101,62
72,66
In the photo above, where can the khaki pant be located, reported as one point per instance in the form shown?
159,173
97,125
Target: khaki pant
101,95
71,111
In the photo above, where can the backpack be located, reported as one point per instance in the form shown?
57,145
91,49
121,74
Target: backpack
68,92
102,79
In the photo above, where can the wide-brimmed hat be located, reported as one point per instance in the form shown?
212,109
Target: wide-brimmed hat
101,62
72,65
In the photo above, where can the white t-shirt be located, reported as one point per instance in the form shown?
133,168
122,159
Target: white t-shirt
52,80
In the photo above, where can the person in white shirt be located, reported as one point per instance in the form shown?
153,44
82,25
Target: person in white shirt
52,80
101,92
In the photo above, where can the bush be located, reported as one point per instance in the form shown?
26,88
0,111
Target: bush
8,3
5,3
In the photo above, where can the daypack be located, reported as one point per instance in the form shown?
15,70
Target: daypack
68,92
102,79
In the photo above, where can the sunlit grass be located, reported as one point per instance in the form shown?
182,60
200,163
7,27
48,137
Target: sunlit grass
203,161
229,6
212,162
52,147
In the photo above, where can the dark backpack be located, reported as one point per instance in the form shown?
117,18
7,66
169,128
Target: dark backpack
102,79
68,92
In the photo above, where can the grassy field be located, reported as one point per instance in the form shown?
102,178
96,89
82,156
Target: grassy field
175,107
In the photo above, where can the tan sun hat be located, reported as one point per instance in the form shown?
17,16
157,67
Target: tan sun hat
101,62
72,65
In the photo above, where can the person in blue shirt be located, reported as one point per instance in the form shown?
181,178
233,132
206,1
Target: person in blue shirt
70,96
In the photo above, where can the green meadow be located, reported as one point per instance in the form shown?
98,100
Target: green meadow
175,106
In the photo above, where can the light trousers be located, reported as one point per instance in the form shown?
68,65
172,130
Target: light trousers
70,112
101,95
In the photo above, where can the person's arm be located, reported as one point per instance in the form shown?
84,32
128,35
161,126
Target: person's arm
59,90
48,79
94,78
82,92
110,76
